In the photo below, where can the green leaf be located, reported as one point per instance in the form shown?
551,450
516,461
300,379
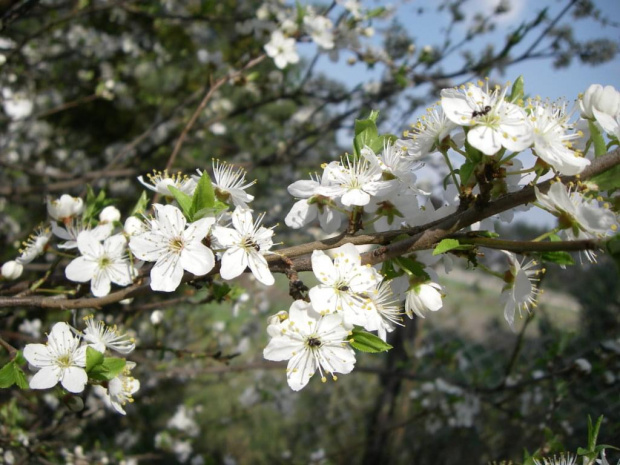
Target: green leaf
608,180
11,374
7,375
561,258
517,90
20,377
597,139
93,358
109,369
446,245
412,267
220,290
184,201
388,270
204,195
94,204
141,204
466,170
366,134
366,342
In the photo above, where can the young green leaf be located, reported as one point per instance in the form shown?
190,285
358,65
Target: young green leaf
446,245
184,201
204,195
597,139
109,369
141,204
11,374
93,358
367,342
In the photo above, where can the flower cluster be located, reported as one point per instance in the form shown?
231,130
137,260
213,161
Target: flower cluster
66,359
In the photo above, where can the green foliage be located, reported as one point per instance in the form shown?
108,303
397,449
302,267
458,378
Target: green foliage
93,358
450,244
516,92
94,204
367,135
11,373
108,369
412,267
608,180
203,203
141,205
367,342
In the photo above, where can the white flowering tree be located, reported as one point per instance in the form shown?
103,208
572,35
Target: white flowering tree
104,265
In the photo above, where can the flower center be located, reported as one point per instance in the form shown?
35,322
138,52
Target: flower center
313,342
64,361
177,244
104,262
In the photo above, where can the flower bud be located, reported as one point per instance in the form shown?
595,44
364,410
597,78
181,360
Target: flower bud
65,207
600,99
109,215
12,270
157,317
133,226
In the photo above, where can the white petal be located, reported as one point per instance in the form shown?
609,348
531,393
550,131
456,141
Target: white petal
45,378
323,267
485,139
300,369
303,189
38,355
166,274
149,246
74,379
234,262
260,269
81,269
89,245
301,214
242,221
355,197
324,299
282,348
197,259
100,284
226,237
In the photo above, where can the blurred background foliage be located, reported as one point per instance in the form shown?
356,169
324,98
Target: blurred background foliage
106,89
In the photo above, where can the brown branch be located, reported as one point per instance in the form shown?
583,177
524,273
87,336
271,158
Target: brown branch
216,85
421,237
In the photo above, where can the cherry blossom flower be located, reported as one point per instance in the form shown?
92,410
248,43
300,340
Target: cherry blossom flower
230,183
60,360
600,101
567,459
578,216
520,291
385,313
428,132
320,29
551,143
70,231
355,182
494,122
245,246
34,245
312,205
309,342
100,337
344,284
161,180
174,246
422,298
64,208
101,264
122,388
283,50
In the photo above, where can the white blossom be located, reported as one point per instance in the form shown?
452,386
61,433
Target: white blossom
12,269
62,360
309,342
422,298
344,284
244,246
520,291
101,264
283,50
65,207
230,183
100,337
160,181
174,246
494,122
